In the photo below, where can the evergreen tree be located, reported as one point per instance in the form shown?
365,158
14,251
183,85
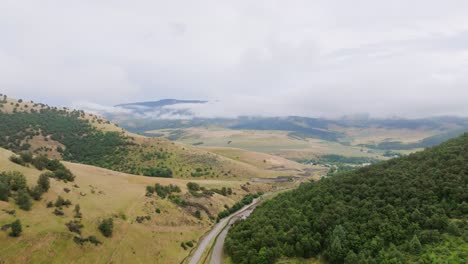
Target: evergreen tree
263,256
44,182
415,245
337,248
351,258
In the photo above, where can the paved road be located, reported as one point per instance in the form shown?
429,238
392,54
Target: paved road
203,245
218,249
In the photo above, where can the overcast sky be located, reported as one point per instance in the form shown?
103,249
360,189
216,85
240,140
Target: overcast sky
309,58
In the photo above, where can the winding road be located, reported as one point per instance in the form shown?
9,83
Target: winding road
218,248
220,229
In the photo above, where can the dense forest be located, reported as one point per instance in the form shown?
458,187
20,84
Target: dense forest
409,209
83,142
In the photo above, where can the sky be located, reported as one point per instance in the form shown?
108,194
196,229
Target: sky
309,58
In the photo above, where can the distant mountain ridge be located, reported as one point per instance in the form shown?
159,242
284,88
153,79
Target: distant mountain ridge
160,103
140,117
156,109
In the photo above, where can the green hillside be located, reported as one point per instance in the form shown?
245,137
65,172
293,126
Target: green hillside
80,137
411,209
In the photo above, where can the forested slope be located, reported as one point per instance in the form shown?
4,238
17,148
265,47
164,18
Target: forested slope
409,209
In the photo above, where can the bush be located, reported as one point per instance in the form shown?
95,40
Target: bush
77,211
106,227
198,214
16,180
62,202
163,191
40,162
58,212
16,228
150,189
44,182
27,157
90,239
193,186
4,192
75,226
17,160
164,172
36,192
23,200
64,174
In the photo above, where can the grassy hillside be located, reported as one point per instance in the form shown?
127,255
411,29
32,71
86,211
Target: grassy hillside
79,137
148,226
410,209
103,194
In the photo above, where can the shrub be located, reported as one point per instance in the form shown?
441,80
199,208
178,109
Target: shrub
90,239
193,186
77,211
150,189
16,180
23,200
106,227
16,228
40,162
44,182
62,202
75,226
36,192
17,160
198,214
27,157
164,172
163,191
4,192
58,212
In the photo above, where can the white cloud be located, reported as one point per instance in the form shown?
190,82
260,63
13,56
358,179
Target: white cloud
325,58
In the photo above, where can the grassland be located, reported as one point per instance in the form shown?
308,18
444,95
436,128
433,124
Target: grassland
103,193
290,146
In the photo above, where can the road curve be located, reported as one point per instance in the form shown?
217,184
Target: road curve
218,248
205,242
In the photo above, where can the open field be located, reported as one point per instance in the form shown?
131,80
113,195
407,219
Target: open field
281,143
376,135
103,193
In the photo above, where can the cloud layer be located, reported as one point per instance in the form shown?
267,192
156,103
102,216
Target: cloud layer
320,58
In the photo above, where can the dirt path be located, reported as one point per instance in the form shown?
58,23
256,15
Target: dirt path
219,227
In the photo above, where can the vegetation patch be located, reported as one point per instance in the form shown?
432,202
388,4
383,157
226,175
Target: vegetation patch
13,185
162,191
397,210
248,199
106,227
